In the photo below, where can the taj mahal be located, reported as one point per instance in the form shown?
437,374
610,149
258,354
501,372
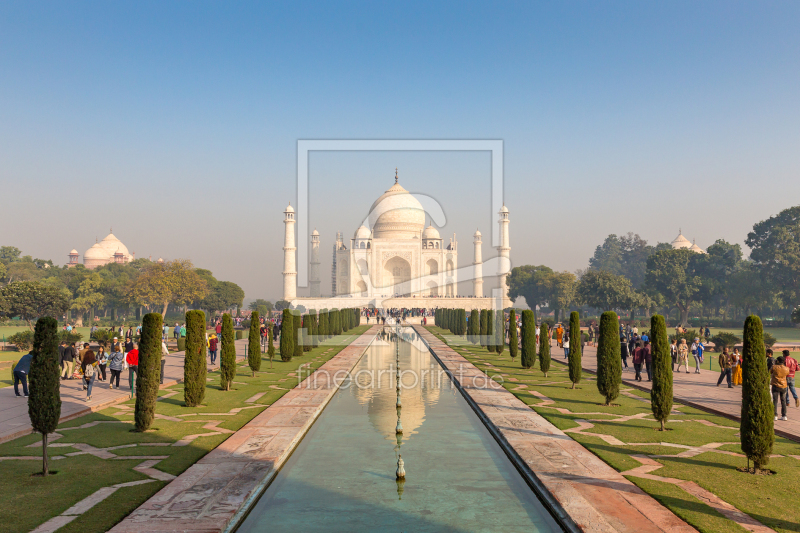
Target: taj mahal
394,260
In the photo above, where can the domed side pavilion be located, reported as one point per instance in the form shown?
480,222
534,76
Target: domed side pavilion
109,250
396,262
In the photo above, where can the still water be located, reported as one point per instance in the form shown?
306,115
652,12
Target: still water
342,475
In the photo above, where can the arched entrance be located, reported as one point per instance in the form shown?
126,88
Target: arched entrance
397,275
433,289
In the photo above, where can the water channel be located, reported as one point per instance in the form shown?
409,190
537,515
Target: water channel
342,476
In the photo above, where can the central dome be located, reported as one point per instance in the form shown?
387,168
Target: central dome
396,215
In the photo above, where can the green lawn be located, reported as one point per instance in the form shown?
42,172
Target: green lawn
758,496
80,476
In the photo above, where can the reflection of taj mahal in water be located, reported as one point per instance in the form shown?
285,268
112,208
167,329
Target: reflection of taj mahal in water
396,262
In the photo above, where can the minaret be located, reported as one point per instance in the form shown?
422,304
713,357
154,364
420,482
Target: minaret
477,265
314,263
289,249
504,251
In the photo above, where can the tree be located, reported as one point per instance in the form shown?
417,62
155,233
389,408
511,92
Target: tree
603,290
528,338
149,373
624,256
44,403
89,294
462,322
756,431
270,346
173,282
575,348
609,358
513,339
9,254
298,335
260,302
280,305
194,365
661,392
313,328
670,273
227,358
484,328
474,326
500,332
254,343
562,287
775,249
530,282
287,335
324,328
490,330
307,332
544,348
33,299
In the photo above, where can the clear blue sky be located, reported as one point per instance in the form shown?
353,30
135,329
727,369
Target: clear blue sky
177,122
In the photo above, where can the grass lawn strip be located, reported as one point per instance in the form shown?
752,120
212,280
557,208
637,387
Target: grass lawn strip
700,449
96,453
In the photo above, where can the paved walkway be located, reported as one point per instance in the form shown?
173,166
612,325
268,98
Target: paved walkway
216,492
596,497
697,390
14,420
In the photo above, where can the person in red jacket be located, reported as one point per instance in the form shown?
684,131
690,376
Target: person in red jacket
132,358
791,364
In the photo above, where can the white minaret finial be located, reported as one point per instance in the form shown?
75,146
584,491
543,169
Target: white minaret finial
504,251
314,274
289,249
477,265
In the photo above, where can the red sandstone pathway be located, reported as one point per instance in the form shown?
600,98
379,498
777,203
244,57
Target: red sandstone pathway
698,390
14,421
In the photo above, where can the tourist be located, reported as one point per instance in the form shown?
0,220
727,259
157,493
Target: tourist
132,358
648,358
708,333
623,348
176,332
62,347
183,330
115,345
638,359
697,353
67,359
779,372
164,332
128,345
736,365
88,365
129,334
116,363
212,348
725,368
102,362
770,360
683,356
673,352
21,371
164,354
791,364
566,347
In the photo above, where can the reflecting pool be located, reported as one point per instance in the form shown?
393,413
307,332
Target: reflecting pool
342,475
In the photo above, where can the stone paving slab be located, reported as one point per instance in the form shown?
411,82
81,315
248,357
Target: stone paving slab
595,496
213,494
700,391
14,420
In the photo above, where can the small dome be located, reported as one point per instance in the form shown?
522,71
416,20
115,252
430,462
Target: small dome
430,233
289,209
315,233
680,242
477,233
697,249
504,209
74,251
113,245
363,233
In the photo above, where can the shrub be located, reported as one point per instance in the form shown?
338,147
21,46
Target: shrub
724,340
528,339
500,332
44,403
483,328
149,373
23,340
609,358
513,340
71,336
490,330
227,358
756,431
254,344
690,336
544,348
270,346
661,393
181,344
287,336
769,340
298,332
574,348
194,366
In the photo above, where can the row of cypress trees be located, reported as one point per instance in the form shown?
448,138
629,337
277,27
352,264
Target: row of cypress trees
301,333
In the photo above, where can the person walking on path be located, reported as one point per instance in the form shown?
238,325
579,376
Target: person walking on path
176,332
212,348
164,354
791,364
697,353
779,372
648,360
88,365
102,362
21,371
132,358
638,359
770,359
623,349
736,364
566,347
725,368
68,359
116,364
683,356
673,351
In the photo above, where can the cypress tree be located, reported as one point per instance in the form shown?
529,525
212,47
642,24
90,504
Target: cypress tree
227,358
323,324
149,374
270,346
298,332
513,340
500,332
313,328
661,393
528,338
336,322
474,326
44,402
483,328
287,336
307,333
544,348
490,330
756,432
462,322
574,348
254,344
194,362
609,358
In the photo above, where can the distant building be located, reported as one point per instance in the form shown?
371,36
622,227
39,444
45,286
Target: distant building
109,250
682,242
